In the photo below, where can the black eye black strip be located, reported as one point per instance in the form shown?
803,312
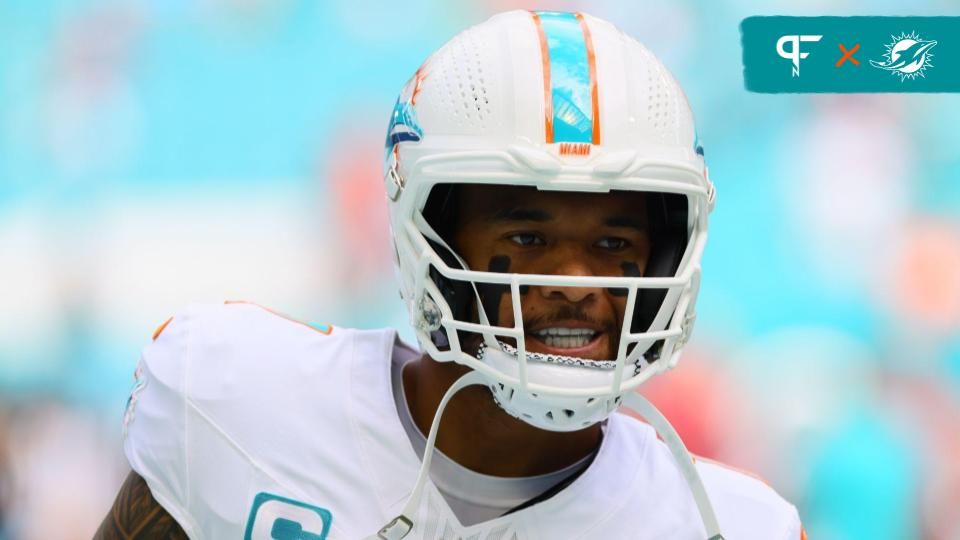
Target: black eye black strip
630,269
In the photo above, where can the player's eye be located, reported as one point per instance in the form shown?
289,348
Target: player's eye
526,239
612,243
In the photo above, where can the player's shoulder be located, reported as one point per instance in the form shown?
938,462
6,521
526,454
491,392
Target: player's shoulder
234,399
248,329
227,336
747,507
239,321
218,352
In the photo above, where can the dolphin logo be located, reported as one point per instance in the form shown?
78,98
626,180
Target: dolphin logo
907,56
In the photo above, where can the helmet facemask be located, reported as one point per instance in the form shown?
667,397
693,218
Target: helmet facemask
457,309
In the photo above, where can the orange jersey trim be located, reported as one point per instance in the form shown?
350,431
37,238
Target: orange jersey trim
161,328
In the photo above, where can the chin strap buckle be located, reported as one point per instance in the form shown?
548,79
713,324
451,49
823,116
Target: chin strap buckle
398,528
394,181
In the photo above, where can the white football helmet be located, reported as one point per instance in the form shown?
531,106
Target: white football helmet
560,102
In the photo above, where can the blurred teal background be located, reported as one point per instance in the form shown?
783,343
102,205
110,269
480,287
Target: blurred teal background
158,153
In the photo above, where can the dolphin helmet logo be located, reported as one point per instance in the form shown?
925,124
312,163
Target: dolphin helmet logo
404,125
907,56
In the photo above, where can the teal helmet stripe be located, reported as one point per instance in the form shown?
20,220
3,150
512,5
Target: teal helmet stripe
571,84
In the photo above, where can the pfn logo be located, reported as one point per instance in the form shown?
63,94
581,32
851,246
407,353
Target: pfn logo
794,54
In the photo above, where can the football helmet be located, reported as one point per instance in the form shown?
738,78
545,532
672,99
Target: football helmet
560,102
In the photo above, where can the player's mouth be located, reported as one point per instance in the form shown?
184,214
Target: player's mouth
575,339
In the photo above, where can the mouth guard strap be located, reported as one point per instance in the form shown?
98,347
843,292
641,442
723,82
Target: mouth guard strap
400,526
688,468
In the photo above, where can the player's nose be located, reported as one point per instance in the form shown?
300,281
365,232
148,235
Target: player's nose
569,264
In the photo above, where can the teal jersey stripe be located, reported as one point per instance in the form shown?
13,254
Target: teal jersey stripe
569,77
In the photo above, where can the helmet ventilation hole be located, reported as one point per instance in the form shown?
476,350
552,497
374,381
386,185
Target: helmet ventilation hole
465,94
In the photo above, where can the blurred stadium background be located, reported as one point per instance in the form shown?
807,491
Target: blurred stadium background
158,153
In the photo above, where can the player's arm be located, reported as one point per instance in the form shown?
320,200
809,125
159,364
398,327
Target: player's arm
136,515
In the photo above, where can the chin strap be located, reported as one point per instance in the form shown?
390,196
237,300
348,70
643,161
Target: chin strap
400,526
638,403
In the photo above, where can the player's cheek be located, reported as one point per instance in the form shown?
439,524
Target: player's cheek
528,308
618,305
506,311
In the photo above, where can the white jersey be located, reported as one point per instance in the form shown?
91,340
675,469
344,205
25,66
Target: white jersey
246,424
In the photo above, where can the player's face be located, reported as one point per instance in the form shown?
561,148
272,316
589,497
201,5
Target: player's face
523,230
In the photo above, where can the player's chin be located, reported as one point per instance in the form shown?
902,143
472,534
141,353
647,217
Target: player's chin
599,347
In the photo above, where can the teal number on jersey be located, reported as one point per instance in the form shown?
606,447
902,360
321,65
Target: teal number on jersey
273,517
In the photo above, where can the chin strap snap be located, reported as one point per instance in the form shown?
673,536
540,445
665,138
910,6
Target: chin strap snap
399,527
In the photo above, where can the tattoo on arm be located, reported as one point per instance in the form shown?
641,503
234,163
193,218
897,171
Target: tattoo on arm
135,515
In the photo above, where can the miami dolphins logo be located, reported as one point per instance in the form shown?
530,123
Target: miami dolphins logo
403,122
403,125
907,56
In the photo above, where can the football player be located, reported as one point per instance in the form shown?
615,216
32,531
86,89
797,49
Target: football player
549,203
